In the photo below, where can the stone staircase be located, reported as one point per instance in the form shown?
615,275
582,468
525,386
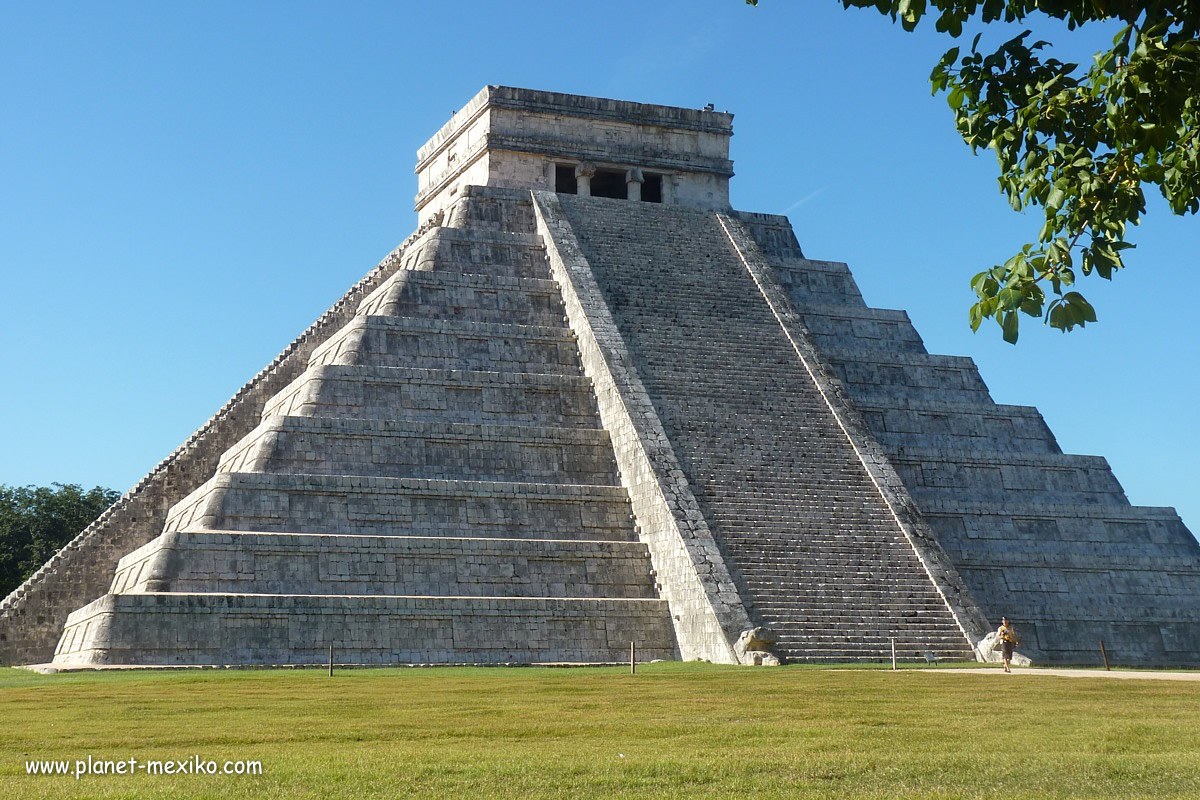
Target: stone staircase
814,549
434,488
1047,539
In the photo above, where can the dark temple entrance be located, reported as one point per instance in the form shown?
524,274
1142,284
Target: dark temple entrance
652,189
609,183
564,179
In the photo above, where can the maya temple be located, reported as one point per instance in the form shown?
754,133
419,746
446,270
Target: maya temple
586,404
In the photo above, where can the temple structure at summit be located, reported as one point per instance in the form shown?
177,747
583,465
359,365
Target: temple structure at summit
586,404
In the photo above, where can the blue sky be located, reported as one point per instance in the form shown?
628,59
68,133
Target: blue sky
185,187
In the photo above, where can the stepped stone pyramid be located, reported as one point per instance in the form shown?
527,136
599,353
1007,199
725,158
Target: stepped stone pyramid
588,404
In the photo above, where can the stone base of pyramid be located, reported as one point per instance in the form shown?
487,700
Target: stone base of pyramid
173,629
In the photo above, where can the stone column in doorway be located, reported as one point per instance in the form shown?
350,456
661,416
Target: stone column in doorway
633,183
583,178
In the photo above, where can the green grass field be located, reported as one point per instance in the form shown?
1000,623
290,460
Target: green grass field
673,730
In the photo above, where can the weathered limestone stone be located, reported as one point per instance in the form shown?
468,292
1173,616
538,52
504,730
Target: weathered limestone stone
754,647
585,404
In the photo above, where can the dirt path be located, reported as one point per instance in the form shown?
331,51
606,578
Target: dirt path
1151,675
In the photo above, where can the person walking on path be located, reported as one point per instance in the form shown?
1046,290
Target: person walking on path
1008,641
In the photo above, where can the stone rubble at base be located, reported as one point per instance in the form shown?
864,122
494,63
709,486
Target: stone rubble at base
549,425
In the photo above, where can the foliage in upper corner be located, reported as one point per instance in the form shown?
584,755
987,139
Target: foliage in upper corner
36,521
1083,144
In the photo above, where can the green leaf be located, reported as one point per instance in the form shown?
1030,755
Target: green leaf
1055,199
1033,301
1086,312
1010,325
975,316
1057,316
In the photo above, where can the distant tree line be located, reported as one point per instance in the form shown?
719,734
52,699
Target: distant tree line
35,521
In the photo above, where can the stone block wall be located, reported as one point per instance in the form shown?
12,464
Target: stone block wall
286,563
298,629
515,138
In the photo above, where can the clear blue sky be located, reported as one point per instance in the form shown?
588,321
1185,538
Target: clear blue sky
185,187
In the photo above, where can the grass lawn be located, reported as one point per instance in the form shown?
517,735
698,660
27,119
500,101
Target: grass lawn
673,730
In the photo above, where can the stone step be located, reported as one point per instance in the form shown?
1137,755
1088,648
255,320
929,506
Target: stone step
909,656
876,651
828,561
851,605
800,483
438,395
815,569
760,468
781,543
809,632
806,572
779,540
235,629
819,560
402,448
830,515
817,532
838,491
254,562
897,604
876,648
858,627
428,343
813,577
336,504
479,298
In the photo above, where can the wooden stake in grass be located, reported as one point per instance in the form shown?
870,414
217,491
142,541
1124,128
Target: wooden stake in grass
331,661
632,658
1104,655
